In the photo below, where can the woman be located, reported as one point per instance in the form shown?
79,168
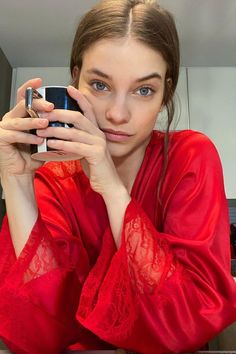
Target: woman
126,247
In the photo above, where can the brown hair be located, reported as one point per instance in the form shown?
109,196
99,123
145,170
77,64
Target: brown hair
145,21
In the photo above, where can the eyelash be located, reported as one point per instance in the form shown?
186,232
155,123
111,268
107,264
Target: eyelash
151,91
97,82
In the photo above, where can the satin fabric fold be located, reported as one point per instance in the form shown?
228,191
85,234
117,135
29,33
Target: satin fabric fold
167,288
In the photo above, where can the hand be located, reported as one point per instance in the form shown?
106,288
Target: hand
86,140
15,138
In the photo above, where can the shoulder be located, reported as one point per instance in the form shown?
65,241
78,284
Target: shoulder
193,164
194,144
181,136
190,136
186,143
60,170
192,152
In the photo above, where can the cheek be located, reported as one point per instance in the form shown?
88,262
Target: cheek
147,114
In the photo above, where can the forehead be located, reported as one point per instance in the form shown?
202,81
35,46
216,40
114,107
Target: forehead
126,54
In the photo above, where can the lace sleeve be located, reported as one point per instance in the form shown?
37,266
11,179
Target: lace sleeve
40,293
149,259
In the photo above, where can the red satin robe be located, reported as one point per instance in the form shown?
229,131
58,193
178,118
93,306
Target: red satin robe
167,288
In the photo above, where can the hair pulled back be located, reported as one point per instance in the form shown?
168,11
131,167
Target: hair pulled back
143,20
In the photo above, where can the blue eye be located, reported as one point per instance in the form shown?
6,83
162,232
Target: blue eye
99,86
145,91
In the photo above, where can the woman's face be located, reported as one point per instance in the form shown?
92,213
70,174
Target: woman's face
124,81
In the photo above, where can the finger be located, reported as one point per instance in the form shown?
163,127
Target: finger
41,105
16,137
35,83
38,105
80,149
83,103
71,134
22,124
77,119
19,110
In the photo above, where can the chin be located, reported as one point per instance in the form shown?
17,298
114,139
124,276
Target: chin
122,152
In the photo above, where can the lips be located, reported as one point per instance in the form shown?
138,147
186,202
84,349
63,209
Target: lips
116,135
115,132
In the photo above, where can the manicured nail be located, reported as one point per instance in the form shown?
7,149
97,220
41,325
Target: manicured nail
42,122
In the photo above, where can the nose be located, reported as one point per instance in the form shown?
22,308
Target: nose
118,111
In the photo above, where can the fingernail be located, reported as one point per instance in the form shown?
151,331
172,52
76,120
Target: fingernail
39,140
72,87
42,122
50,106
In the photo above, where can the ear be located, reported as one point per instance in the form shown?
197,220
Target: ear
75,76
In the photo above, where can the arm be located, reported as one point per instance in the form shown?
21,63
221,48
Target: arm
116,204
17,168
41,287
31,302
21,208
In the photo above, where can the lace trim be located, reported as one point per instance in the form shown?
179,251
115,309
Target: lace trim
120,314
63,169
149,259
8,257
109,294
42,262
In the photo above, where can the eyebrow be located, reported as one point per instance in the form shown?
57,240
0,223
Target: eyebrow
98,72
